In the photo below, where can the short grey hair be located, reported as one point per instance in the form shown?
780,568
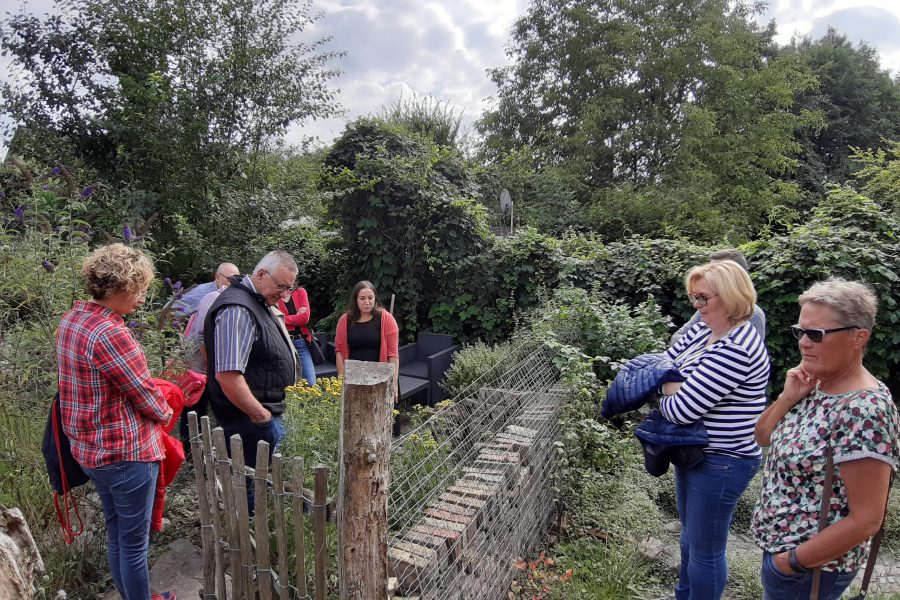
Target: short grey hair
275,259
853,301
730,254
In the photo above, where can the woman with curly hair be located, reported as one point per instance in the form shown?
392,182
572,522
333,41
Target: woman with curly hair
111,410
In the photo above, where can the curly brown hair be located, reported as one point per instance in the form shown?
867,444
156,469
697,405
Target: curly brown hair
111,269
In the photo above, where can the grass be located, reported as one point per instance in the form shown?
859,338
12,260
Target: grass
586,569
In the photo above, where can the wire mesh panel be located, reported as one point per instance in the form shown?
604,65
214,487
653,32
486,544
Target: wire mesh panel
470,488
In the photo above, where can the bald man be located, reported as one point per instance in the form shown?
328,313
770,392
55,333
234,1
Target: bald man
188,303
195,355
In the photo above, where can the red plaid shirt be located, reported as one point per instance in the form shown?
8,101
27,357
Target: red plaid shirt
110,408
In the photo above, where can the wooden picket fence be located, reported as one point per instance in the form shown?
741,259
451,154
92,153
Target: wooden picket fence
229,542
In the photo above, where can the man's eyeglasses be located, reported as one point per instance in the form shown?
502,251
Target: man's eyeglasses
816,335
282,288
700,299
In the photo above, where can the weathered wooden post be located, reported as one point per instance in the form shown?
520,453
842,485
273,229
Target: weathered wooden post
366,412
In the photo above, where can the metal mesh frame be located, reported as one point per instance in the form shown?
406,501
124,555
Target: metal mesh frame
470,488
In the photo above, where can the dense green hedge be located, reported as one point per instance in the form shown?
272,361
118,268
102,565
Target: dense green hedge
848,236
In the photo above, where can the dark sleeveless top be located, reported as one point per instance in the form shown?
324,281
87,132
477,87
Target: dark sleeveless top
364,339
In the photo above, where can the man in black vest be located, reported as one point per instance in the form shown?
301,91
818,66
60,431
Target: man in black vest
250,357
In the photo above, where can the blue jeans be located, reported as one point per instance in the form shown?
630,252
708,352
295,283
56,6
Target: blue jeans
707,496
126,490
780,586
272,431
306,362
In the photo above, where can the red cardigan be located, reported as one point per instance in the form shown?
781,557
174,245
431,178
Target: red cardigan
390,336
297,322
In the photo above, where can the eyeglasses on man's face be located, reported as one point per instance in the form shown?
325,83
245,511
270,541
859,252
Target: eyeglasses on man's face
700,299
282,288
815,334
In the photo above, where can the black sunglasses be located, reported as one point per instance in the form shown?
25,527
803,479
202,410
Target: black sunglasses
817,335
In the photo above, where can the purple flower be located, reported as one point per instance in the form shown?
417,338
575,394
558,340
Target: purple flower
2,195
20,213
46,188
176,323
87,192
177,285
126,233
134,324
57,229
48,266
167,281
55,171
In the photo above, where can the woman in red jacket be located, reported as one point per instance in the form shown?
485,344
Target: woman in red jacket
296,317
367,332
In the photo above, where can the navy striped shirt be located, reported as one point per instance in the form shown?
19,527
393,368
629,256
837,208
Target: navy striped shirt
725,387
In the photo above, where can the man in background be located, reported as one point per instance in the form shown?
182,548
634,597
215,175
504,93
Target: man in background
193,383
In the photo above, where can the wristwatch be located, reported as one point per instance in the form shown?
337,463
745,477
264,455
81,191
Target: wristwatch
795,565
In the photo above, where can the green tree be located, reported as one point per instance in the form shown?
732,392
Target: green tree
406,213
880,174
686,105
858,99
168,102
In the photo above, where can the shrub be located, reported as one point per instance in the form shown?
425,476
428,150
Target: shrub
475,362
849,236
312,422
608,332
630,270
44,236
406,214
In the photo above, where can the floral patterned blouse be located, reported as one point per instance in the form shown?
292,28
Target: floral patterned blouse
858,424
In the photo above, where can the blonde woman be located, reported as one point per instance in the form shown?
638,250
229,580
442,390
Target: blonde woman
726,367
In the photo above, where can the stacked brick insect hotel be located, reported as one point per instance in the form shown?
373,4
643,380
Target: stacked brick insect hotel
492,506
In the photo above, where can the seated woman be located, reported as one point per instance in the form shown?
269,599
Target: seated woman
111,409
830,405
296,319
366,331
726,368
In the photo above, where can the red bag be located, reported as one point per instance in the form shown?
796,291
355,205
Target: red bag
192,384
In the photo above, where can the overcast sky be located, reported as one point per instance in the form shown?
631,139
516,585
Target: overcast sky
442,48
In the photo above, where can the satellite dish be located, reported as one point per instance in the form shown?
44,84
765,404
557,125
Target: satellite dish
505,202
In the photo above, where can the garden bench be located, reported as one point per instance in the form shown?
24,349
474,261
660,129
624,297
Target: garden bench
428,358
410,385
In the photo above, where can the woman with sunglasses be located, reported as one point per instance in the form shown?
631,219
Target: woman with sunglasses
830,405
726,369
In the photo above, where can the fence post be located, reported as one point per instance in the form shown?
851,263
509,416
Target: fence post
206,527
366,412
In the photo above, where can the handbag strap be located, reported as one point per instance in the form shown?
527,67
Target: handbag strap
824,510
876,545
823,523
69,503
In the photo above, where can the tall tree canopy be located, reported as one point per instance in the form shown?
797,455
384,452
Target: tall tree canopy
687,96
858,99
167,100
